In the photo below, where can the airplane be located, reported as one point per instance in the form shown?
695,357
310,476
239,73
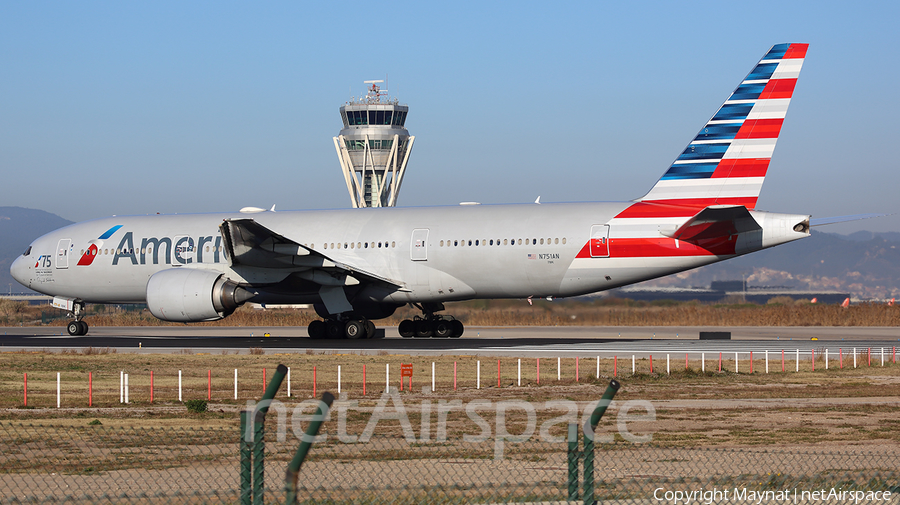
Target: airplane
360,265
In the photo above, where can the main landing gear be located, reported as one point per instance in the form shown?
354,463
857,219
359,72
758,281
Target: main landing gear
431,325
336,329
77,328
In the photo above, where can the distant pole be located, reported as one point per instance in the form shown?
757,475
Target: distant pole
387,378
667,365
432,374
703,362
598,367
558,368
339,379
518,373
767,361
735,362
288,377
179,385
478,375
632,365
126,388
235,383
121,386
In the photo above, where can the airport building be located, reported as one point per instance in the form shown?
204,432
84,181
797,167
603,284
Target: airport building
373,147
723,290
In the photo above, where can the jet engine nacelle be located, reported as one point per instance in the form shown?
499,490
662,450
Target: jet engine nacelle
189,295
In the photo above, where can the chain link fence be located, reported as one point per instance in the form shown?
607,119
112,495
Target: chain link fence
61,462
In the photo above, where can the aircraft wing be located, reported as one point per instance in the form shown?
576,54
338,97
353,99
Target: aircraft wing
251,244
715,221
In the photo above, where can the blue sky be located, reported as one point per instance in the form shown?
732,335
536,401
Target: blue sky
132,108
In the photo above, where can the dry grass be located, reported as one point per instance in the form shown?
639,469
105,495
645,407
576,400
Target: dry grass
718,415
574,312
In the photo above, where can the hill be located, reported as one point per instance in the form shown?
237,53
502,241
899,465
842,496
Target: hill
865,264
19,227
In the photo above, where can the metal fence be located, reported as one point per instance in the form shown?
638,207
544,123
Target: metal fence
73,461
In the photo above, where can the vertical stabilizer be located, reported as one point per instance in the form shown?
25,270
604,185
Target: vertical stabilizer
726,162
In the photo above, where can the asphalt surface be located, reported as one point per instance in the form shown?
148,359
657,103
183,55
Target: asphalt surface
482,341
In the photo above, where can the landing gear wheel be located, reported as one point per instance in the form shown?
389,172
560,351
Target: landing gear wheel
316,329
334,330
84,327
423,328
74,328
355,329
407,328
458,328
442,329
370,329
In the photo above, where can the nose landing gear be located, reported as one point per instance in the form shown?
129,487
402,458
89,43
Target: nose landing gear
77,328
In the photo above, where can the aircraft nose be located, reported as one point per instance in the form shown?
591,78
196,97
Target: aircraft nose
19,270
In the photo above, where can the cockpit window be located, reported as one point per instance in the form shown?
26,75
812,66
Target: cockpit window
27,251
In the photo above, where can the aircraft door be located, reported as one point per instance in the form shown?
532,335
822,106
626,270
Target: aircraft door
600,241
62,253
418,245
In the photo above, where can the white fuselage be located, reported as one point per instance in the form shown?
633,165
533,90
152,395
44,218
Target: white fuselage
432,254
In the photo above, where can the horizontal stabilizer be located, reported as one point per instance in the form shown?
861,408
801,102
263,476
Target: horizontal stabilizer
822,221
715,221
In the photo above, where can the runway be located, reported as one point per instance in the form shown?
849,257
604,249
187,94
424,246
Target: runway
482,341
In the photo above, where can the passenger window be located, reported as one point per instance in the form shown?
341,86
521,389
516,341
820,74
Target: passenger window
564,240
520,242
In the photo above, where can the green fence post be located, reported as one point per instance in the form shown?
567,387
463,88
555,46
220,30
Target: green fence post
293,469
573,461
259,432
598,412
246,460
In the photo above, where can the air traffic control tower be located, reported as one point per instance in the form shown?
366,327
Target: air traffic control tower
373,147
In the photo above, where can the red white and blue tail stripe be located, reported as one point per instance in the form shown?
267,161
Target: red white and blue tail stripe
726,162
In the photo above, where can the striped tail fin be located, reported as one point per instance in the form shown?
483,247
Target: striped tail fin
726,162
